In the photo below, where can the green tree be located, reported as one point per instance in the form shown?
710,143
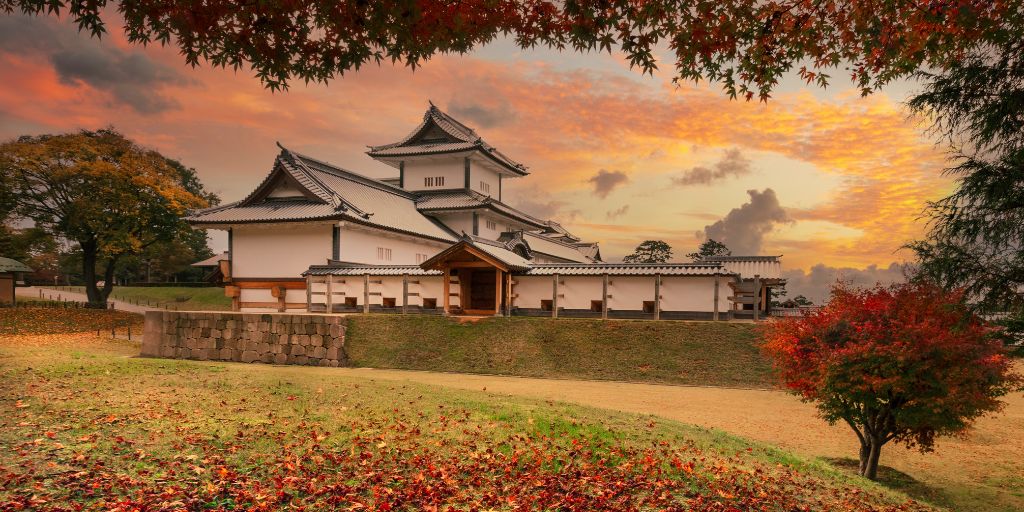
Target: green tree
709,249
650,251
98,189
976,234
745,46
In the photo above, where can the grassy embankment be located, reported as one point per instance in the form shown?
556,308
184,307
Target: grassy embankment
81,424
172,297
693,353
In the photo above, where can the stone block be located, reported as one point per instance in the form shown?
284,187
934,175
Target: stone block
227,354
267,358
325,362
334,363
335,330
319,352
280,359
316,340
312,361
298,350
249,356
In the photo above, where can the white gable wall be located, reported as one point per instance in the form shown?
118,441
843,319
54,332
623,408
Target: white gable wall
278,250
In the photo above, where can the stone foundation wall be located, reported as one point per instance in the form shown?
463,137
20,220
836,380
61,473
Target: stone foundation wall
278,338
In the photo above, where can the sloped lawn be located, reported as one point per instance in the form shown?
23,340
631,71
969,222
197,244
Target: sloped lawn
84,426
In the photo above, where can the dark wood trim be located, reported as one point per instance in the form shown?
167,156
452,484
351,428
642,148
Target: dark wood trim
401,174
336,242
476,224
251,284
466,164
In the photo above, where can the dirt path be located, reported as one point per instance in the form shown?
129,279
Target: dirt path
990,461
32,292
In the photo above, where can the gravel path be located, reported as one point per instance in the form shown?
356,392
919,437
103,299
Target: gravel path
32,292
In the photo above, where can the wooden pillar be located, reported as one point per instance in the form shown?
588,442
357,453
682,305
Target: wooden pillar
445,277
554,297
715,315
497,291
309,293
657,296
405,293
757,297
366,293
329,298
604,298
508,293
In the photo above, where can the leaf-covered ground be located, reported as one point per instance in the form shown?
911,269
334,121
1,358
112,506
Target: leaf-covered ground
40,320
83,427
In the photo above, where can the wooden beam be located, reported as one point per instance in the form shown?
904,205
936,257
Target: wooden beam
497,292
309,292
715,315
366,293
508,292
657,296
604,298
554,297
447,298
405,293
330,294
265,283
757,291
470,264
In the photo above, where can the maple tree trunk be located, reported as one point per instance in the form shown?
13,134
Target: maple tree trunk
870,451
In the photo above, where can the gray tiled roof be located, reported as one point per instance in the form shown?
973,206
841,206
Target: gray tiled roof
9,265
544,245
372,270
348,196
524,267
741,258
461,138
275,210
468,200
625,269
497,250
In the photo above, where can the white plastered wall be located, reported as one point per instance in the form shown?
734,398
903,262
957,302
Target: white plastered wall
477,174
689,293
359,245
279,250
452,169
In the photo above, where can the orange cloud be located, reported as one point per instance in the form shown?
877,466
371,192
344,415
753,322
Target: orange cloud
565,124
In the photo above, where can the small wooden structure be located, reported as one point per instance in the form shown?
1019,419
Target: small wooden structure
10,273
483,274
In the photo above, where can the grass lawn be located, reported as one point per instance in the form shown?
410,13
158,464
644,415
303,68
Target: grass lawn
208,298
671,352
84,425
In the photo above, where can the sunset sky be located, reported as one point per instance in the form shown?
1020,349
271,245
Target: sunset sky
833,181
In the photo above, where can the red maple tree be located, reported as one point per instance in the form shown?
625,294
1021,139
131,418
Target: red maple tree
906,363
744,45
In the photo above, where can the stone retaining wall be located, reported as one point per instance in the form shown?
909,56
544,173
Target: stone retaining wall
279,338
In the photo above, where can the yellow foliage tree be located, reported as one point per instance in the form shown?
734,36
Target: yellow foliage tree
102,191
